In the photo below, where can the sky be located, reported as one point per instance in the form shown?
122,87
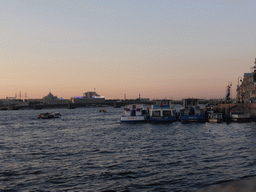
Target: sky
160,49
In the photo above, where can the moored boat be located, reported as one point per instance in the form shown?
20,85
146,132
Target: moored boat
215,117
192,112
239,116
162,114
135,113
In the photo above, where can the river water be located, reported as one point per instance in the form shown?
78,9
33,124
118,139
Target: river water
85,150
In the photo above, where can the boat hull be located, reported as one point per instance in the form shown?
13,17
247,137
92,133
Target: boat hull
214,117
192,118
164,119
240,117
133,119
240,120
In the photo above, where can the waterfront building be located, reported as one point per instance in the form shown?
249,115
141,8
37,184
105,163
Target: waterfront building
88,97
143,99
50,99
162,102
246,92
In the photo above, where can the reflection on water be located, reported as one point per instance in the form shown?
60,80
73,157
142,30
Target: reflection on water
85,150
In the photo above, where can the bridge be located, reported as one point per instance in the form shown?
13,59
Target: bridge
116,104
113,103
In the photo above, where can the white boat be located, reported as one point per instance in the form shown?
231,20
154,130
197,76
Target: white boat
239,116
162,114
214,117
135,113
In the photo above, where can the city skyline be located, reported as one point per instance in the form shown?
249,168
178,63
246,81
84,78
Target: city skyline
159,49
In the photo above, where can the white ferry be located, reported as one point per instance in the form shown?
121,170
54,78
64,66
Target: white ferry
162,114
135,113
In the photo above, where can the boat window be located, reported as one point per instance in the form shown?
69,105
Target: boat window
156,113
166,113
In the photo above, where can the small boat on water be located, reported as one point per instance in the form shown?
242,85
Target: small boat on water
135,113
215,117
48,115
192,112
162,114
102,110
239,116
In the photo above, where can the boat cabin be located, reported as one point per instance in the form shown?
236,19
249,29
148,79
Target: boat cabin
135,110
161,111
191,107
187,103
212,115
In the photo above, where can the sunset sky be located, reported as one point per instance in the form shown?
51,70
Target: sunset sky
157,48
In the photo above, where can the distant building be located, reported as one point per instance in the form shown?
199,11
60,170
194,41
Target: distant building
88,97
50,97
162,102
91,95
142,99
246,92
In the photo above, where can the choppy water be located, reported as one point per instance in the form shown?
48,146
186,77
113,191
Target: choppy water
86,150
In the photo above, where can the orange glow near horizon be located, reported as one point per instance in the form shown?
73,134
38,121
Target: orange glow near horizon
171,50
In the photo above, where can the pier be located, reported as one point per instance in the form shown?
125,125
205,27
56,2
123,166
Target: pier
243,107
106,103
72,105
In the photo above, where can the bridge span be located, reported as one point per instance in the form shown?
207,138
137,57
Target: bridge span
114,103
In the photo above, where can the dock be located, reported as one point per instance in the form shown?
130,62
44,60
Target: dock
243,107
